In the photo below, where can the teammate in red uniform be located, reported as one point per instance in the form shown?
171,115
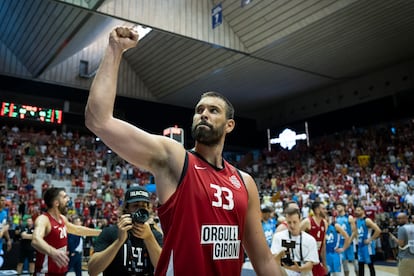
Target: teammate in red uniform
316,226
50,234
210,210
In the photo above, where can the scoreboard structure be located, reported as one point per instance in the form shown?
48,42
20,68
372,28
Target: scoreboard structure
175,133
30,112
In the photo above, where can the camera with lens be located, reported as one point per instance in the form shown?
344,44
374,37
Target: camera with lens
140,216
287,260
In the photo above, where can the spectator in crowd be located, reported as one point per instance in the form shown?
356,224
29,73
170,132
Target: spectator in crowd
230,194
409,198
329,168
135,239
50,234
26,252
295,248
268,224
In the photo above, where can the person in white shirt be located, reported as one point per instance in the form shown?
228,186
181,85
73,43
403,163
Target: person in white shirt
297,245
402,187
363,189
409,198
306,209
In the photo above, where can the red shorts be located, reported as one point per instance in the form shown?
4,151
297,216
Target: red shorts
318,270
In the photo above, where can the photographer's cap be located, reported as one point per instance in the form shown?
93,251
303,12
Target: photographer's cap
136,194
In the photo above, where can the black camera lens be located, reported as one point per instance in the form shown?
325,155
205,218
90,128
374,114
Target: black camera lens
140,216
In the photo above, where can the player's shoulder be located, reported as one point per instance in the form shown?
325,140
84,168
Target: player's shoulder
306,221
42,217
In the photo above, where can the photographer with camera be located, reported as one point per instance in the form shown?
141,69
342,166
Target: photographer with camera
296,249
133,246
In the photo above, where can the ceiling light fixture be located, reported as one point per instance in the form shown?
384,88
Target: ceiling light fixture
245,3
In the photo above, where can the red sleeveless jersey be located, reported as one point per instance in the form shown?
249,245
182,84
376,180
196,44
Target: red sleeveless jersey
318,232
57,238
203,221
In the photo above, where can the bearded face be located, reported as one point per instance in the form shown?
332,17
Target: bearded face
359,213
63,209
207,134
63,206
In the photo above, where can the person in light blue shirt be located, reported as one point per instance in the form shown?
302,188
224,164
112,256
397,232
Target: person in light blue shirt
268,224
4,228
334,234
347,222
365,238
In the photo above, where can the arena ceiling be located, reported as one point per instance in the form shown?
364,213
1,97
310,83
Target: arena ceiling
276,60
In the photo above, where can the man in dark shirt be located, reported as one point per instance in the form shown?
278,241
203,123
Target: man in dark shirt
133,246
26,249
75,248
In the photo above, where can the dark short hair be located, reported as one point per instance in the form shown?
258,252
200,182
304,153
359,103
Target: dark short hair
292,211
50,195
340,203
316,204
266,210
360,206
286,204
229,106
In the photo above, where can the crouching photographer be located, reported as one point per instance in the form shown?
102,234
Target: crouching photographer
295,249
133,246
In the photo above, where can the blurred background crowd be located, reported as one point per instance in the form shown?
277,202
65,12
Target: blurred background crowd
372,166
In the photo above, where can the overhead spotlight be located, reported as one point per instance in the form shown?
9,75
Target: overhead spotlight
245,3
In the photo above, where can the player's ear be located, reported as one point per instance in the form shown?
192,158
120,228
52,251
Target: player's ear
230,125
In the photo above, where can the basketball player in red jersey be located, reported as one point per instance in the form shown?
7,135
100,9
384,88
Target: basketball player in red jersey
209,209
316,226
50,234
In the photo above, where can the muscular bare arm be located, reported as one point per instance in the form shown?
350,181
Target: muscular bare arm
343,233
162,156
375,227
353,228
79,230
4,233
305,225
